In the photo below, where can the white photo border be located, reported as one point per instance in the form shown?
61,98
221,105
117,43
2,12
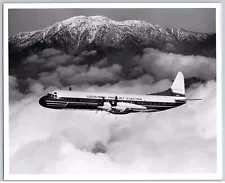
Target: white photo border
214,176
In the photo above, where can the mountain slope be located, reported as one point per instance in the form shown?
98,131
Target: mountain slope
100,33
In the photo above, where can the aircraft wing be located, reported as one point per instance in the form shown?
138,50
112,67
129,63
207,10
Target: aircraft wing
119,109
132,107
124,108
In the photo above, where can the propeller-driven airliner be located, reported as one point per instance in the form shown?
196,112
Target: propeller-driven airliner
118,103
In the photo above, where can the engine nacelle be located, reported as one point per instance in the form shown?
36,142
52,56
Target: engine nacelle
106,106
113,109
119,110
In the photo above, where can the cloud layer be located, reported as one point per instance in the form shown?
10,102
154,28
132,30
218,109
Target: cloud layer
180,140
53,68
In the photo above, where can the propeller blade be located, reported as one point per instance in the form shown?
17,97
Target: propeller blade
116,100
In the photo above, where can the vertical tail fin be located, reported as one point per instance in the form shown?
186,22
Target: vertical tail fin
177,88
178,85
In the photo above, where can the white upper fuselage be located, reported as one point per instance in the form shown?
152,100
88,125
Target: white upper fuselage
125,97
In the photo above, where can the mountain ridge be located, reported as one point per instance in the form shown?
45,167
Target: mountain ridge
80,33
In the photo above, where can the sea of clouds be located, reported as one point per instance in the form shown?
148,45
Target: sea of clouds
180,140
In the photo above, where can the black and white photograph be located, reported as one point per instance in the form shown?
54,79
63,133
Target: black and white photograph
112,92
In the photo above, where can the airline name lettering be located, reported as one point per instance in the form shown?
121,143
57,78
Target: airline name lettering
111,97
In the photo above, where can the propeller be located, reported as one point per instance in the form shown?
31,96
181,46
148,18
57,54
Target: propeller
111,106
106,106
102,101
114,102
103,105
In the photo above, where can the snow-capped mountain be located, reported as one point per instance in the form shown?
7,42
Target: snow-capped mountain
97,32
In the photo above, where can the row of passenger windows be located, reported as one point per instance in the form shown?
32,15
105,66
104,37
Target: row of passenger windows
80,100
100,100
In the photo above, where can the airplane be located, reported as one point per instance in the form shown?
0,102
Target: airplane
118,103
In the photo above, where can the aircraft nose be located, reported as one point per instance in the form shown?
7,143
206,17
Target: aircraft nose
42,101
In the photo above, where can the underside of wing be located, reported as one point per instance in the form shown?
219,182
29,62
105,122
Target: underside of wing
124,108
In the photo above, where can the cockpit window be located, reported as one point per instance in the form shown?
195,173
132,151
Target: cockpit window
51,95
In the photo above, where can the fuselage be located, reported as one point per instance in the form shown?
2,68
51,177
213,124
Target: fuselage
113,103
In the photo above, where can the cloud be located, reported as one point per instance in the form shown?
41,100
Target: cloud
50,52
95,75
166,65
49,60
49,79
54,68
35,87
180,140
14,93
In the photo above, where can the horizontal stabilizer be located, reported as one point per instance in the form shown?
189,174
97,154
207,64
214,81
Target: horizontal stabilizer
188,99
185,100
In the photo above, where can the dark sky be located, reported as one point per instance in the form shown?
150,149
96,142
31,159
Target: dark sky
199,20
